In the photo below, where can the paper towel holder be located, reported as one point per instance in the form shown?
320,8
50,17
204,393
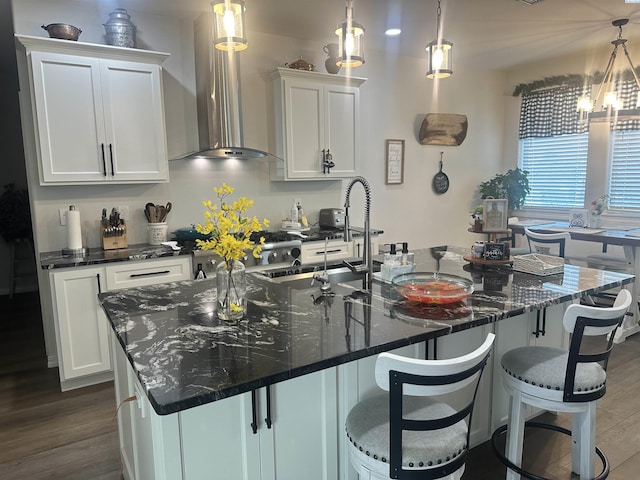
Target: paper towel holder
74,252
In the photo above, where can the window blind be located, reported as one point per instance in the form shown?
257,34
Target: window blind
624,170
557,169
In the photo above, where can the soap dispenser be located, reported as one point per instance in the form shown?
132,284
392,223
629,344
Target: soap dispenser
294,212
392,257
407,257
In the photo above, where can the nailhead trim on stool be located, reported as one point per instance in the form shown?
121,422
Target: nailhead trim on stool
367,428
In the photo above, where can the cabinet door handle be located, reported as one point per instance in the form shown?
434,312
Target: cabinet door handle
104,160
337,250
113,172
98,280
541,331
149,274
254,413
268,419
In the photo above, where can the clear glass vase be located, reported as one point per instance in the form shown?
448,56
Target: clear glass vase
595,221
231,285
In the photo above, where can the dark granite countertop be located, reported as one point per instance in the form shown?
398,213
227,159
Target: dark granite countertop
184,356
144,251
95,256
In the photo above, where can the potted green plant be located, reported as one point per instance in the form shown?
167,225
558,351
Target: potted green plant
512,185
15,216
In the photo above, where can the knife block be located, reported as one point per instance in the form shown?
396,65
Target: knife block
114,238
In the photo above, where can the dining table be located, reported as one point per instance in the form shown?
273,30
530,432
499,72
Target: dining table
624,236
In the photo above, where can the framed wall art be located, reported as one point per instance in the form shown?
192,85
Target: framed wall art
395,162
494,214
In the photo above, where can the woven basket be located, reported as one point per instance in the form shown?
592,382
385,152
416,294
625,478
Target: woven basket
538,264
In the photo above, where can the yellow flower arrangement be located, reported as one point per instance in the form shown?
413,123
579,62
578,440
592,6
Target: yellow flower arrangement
229,233
230,230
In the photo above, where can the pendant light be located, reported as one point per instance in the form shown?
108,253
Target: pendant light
610,101
439,53
228,25
350,40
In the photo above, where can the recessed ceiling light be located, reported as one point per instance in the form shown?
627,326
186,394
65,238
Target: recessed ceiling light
392,32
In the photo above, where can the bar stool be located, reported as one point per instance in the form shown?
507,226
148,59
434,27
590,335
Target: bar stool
565,381
405,434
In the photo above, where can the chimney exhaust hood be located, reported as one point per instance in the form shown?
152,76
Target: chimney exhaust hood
218,99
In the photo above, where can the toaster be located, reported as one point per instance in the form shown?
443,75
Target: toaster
331,218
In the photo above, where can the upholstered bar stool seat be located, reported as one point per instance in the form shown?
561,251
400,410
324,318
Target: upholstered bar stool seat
564,381
410,431
421,449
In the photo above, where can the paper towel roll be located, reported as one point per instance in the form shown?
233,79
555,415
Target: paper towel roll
74,235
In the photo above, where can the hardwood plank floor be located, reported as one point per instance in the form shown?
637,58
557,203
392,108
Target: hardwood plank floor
47,434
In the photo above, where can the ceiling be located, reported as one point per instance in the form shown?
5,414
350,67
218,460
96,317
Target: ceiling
495,33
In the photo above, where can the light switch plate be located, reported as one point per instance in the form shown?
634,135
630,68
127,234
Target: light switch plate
63,216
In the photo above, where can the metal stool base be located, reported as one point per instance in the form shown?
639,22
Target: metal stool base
532,476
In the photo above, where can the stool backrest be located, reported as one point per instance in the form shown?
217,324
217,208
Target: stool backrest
408,376
581,321
547,243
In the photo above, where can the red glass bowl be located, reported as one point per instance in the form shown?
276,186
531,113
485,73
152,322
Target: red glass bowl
434,288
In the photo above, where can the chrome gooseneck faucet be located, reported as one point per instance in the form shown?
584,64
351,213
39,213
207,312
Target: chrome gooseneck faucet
367,258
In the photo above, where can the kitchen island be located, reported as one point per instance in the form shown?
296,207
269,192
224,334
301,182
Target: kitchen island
266,398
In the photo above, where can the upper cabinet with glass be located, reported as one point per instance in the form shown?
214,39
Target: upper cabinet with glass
317,125
93,114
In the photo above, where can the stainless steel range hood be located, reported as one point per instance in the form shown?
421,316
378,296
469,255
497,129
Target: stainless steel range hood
218,99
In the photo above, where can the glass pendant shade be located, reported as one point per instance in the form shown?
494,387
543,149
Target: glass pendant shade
228,25
350,41
440,59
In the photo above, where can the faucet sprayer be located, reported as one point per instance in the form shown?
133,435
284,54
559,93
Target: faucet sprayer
367,257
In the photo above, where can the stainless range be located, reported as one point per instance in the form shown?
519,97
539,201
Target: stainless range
279,251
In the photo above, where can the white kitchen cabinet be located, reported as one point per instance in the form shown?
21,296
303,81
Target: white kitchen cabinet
97,112
358,246
80,322
314,252
81,325
315,112
302,437
218,438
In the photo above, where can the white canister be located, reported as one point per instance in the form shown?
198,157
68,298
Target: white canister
157,233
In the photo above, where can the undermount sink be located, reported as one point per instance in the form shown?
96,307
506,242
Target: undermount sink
302,281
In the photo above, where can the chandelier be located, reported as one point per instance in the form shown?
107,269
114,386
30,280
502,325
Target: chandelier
608,99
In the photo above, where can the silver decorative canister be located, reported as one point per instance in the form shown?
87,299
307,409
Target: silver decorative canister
119,29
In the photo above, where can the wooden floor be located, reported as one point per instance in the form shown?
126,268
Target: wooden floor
46,434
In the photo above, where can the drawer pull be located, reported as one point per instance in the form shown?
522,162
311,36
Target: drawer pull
149,274
337,250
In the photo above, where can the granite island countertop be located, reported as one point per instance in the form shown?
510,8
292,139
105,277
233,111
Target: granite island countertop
184,356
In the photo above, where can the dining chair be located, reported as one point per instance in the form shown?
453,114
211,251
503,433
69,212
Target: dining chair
547,243
407,433
558,380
